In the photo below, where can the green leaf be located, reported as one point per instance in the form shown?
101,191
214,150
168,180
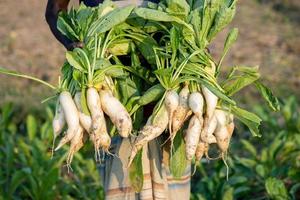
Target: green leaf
251,120
82,56
231,38
236,82
178,161
65,27
222,19
16,180
115,72
146,45
228,194
174,39
246,114
237,180
217,92
111,19
136,175
77,75
293,190
74,61
242,190
102,64
135,60
178,7
290,105
31,125
249,147
120,48
267,94
206,79
105,7
152,94
127,89
276,145
49,180
260,170
160,16
249,163
164,72
276,189
6,114
196,22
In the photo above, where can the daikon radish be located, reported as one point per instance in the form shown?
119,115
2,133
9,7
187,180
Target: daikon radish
99,134
182,112
71,115
76,144
171,102
154,127
192,136
196,103
116,112
58,123
85,120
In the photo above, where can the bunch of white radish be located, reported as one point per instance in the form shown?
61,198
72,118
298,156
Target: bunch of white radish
78,123
206,124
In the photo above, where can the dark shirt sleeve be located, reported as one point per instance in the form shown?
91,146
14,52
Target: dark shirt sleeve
51,15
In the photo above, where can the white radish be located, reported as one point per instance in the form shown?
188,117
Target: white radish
224,129
93,102
58,123
171,102
99,133
76,144
154,127
200,151
223,133
71,116
116,112
102,139
211,101
182,112
207,135
192,136
85,120
196,103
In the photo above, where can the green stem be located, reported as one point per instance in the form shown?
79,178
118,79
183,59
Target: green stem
95,55
181,66
220,63
13,73
106,43
48,99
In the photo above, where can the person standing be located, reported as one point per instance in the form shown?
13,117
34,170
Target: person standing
158,181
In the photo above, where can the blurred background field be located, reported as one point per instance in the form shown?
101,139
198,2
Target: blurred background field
261,168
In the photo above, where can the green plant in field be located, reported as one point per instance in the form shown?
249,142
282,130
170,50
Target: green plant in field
260,169
27,170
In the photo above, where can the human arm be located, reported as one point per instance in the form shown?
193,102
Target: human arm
51,15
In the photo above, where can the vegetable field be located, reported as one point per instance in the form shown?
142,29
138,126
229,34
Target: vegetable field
172,78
